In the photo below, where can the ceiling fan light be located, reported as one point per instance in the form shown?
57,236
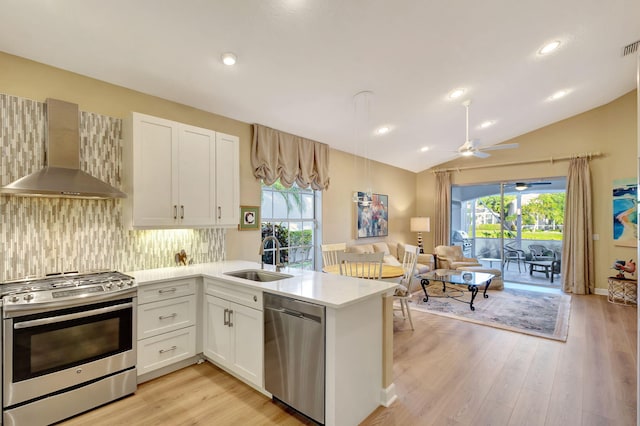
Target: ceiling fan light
424,149
487,123
382,130
466,153
521,186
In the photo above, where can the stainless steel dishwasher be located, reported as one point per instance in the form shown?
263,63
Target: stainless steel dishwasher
294,354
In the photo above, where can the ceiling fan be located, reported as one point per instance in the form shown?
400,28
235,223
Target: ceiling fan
471,148
521,186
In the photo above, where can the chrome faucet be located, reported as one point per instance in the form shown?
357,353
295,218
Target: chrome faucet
276,255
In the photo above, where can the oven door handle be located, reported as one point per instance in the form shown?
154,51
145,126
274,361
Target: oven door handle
67,317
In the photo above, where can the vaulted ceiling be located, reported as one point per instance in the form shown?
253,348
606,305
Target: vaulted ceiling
300,63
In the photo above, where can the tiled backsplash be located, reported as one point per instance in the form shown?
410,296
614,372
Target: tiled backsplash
42,235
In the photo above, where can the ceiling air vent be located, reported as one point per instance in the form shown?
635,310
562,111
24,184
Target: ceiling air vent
630,48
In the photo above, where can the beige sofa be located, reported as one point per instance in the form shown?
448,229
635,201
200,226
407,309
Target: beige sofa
393,254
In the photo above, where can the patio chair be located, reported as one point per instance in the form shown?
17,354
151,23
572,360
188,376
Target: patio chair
513,255
540,252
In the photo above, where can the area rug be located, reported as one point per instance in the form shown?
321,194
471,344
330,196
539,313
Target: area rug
537,313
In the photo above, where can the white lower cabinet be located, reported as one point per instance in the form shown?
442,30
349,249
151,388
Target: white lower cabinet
233,333
166,349
166,324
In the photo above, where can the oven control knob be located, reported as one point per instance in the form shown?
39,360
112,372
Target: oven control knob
28,296
108,285
14,298
120,284
130,283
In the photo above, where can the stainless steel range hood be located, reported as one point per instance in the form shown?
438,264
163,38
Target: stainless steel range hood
61,176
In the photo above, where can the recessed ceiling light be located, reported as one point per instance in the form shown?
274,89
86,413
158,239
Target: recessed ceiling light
487,123
424,149
559,94
382,130
456,93
229,58
549,47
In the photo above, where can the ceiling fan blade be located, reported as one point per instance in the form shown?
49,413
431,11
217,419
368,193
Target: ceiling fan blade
539,183
481,154
497,147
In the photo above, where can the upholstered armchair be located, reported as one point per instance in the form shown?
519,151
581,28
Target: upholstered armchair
450,257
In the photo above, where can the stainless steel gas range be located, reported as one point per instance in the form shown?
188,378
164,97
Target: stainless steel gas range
68,344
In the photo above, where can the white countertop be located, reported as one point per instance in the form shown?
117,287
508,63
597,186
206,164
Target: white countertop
330,290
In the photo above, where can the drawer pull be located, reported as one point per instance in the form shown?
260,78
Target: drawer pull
230,317
172,348
226,320
162,317
167,290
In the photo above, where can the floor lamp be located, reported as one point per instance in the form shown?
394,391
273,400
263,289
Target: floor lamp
420,225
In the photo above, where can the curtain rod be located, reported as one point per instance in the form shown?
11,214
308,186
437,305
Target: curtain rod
551,160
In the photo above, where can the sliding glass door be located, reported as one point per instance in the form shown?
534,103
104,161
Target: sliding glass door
512,226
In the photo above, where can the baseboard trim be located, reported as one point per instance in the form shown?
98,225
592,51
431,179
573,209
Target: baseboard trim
601,291
388,395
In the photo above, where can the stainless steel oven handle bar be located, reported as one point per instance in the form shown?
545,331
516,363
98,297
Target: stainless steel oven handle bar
67,317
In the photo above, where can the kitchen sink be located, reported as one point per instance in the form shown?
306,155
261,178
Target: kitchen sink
258,275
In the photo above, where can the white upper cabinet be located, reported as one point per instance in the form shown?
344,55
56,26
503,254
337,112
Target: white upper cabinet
227,179
179,176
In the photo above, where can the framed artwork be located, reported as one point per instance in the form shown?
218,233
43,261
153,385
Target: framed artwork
625,212
249,218
372,215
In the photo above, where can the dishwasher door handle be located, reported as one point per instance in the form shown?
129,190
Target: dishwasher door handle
294,314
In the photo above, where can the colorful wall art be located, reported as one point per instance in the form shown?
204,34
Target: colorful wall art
625,212
372,215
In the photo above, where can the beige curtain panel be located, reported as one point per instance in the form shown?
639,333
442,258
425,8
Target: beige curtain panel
577,246
442,209
278,155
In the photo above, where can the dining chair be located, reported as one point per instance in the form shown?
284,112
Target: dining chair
361,265
330,253
403,292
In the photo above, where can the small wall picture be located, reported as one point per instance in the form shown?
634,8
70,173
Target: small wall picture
372,215
249,218
625,212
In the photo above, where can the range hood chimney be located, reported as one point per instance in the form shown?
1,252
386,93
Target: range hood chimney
61,177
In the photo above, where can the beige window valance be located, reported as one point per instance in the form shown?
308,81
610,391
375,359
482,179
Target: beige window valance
290,158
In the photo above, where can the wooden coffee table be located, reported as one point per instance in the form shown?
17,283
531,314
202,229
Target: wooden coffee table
458,278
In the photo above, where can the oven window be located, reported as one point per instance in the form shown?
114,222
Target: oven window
44,349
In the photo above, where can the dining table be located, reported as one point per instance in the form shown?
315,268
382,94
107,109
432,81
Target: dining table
388,271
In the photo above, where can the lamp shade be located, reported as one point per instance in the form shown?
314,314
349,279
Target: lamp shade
420,224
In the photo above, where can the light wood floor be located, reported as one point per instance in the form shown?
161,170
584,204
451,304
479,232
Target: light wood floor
447,372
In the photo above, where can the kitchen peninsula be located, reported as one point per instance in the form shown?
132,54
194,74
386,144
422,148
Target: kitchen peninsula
357,379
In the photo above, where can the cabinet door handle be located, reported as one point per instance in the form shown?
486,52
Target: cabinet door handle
226,320
181,212
175,211
219,212
167,290
230,317
172,348
162,317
